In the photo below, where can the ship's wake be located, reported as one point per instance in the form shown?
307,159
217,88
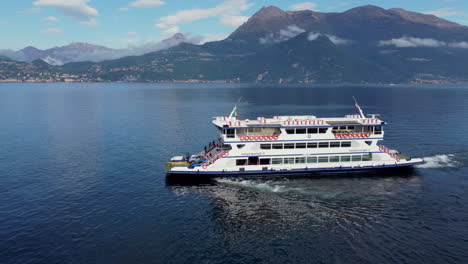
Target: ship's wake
443,161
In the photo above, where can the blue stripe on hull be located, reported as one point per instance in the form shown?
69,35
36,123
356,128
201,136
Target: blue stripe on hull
305,171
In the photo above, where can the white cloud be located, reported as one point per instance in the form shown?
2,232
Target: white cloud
51,31
335,39
51,19
78,9
225,10
303,6
146,3
232,21
462,45
212,37
412,42
282,35
444,12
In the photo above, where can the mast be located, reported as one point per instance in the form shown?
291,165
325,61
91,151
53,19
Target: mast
356,105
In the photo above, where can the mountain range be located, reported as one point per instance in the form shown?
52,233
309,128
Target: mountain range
366,44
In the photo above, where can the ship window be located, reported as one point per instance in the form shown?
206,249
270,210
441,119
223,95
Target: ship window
312,160
300,130
312,130
350,128
342,128
312,145
323,130
346,144
289,146
334,144
323,145
323,159
239,146
277,146
265,146
241,162
288,160
241,169
264,161
334,158
345,158
368,142
300,160
230,133
277,160
300,145
356,158
378,130
290,130
367,157
226,147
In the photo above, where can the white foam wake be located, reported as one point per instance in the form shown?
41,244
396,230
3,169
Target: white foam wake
268,186
439,161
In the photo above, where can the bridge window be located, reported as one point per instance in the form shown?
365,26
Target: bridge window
323,130
378,130
312,130
239,146
290,130
230,133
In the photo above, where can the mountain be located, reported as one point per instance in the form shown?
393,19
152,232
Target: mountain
77,51
366,44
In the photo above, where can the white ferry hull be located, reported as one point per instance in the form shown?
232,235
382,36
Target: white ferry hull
307,171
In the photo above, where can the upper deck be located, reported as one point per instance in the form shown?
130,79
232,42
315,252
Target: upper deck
296,121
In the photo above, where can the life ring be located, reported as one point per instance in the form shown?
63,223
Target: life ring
381,148
275,137
387,150
204,166
397,159
226,153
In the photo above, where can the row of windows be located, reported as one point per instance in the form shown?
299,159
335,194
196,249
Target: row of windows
334,144
312,130
303,160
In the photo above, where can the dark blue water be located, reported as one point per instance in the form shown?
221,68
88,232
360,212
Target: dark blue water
82,178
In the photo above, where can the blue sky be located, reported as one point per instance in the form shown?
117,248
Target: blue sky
123,23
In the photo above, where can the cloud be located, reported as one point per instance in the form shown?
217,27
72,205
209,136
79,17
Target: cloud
282,35
335,39
51,31
146,3
51,19
77,9
412,42
212,37
225,10
444,12
303,6
233,21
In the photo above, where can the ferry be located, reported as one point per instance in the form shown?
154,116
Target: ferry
293,145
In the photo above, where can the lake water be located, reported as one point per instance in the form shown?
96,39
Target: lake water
82,178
